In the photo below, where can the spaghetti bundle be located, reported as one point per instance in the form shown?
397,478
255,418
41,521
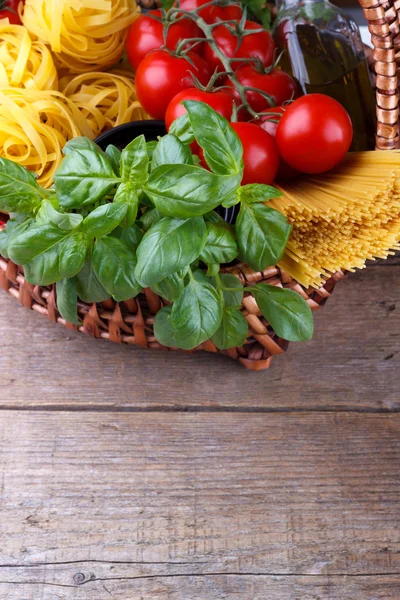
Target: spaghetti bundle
342,218
83,34
105,100
23,62
35,126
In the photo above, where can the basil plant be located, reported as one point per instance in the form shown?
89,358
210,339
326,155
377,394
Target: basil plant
117,222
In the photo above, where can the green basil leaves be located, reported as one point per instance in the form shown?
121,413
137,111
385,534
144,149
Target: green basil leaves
117,222
169,245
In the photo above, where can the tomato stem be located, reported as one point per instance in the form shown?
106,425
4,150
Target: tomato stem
226,62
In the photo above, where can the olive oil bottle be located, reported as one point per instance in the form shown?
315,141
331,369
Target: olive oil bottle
322,49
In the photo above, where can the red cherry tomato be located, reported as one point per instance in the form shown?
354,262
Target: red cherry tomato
222,102
213,14
314,134
11,15
260,154
270,124
259,45
161,76
277,84
146,34
9,10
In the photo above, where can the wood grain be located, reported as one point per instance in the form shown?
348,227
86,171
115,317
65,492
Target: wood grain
352,363
229,505
210,587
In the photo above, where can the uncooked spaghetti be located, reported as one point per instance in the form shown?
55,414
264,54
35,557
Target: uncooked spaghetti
342,218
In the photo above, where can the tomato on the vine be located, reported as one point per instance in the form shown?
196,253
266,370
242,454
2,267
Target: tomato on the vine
270,124
277,84
213,14
255,45
260,154
9,10
220,101
314,134
161,75
147,34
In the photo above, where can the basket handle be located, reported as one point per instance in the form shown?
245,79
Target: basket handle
383,25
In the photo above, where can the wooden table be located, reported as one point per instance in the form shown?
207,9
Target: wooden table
141,475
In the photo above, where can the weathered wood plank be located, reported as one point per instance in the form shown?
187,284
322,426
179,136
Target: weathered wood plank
221,587
352,363
171,494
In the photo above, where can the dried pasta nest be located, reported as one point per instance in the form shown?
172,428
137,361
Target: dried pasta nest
105,100
24,62
35,126
84,35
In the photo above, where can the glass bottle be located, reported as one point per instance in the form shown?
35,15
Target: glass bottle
322,48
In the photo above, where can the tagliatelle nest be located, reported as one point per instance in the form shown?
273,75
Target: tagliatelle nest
35,126
84,34
23,62
105,100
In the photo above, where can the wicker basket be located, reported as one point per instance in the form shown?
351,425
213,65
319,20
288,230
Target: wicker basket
131,322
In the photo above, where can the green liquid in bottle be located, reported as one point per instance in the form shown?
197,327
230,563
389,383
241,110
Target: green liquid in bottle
324,62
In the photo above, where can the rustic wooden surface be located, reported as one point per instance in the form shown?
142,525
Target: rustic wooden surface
149,476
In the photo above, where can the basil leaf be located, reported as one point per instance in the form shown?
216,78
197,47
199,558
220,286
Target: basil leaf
114,264
67,300
262,233
286,311
132,236
149,217
171,287
128,196
213,217
104,219
62,260
182,129
223,150
80,143
171,151
196,315
4,237
34,241
83,178
233,331
88,287
212,269
231,299
151,146
232,200
163,329
258,192
19,190
200,275
221,246
13,229
170,245
66,221
135,161
114,154
187,191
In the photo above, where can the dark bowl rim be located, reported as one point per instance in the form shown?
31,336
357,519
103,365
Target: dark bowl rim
126,127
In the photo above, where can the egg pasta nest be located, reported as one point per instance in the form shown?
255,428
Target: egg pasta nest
41,107
84,35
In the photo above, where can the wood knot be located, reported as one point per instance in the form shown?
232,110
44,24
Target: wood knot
79,578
